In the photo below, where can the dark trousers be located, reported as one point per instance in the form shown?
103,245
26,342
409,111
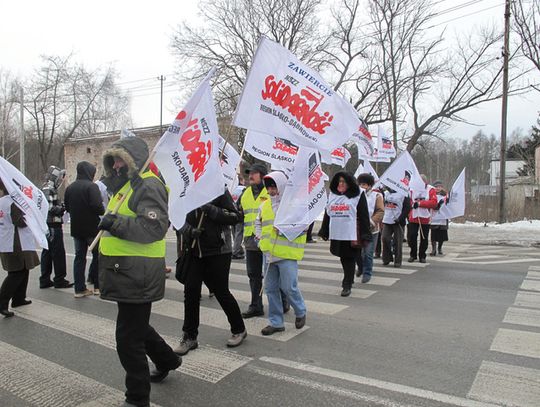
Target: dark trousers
309,233
392,243
14,288
412,238
79,264
55,256
238,236
348,264
378,245
214,272
135,339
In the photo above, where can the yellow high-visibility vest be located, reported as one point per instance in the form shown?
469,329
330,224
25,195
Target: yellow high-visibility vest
113,246
250,206
276,244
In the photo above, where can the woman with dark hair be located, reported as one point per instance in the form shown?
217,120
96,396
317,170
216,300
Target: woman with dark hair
17,253
346,223
439,223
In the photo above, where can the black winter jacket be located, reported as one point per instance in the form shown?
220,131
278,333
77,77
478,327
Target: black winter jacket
83,202
215,239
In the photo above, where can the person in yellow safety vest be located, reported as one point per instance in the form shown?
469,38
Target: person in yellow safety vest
251,199
131,264
280,258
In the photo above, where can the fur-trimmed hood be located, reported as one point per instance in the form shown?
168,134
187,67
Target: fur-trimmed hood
353,189
134,152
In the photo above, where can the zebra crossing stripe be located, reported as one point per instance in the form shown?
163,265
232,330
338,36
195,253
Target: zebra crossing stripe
515,342
506,384
533,275
531,285
43,383
522,316
206,363
527,299
316,307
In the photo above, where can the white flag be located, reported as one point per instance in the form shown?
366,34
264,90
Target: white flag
359,170
339,156
364,141
385,147
30,199
304,198
280,153
403,175
229,159
283,96
456,200
366,168
188,155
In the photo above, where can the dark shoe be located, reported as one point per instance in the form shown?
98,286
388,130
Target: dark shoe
440,253
286,308
385,263
63,284
377,256
20,304
157,376
236,339
312,241
345,292
366,278
359,272
185,346
422,260
433,253
48,284
238,256
6,313
300,322
411,259
397,265
270,330
250,313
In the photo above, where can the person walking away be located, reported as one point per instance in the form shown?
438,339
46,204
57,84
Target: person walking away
131,264
238,229
84,204
375,202
281,258
209,261
17,254
439,224
396,211
422,201
55,256
346,223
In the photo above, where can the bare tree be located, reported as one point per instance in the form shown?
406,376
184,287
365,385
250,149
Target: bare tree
8,105
527,25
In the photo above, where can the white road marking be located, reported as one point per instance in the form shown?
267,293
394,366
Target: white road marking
316,307
42,383
533,275
527,299
507,384
522,316
517,343
531,285
314,288
478,257
209,364
534,268
380,384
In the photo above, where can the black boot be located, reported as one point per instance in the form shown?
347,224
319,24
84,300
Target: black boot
434,250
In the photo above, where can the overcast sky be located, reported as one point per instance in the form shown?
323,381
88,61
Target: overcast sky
135,40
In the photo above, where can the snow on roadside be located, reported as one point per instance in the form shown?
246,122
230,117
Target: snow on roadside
521,233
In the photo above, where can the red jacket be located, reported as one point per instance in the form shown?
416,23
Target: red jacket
427,200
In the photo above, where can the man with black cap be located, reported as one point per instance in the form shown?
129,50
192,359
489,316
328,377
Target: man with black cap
250,201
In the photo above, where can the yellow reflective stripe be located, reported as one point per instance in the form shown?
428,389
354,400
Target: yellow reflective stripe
249,211
283,241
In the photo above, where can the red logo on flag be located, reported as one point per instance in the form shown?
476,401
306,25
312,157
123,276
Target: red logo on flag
285,145
339,153
199,152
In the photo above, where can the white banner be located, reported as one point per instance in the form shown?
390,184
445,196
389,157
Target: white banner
304,198
364,141
366,168
377,158
30,199
402,175
283,96
188,155
230,159
278,152
339,156
385,147
456,200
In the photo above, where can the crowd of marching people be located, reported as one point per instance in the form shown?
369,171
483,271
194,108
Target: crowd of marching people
362,221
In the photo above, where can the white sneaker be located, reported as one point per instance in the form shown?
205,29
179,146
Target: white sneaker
85,293
96,291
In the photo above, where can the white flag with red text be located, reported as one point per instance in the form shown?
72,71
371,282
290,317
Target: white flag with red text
339,156
304,198
280,153
283,96
385,147
30,200
230,159
364,141
188,155
402,175
455,206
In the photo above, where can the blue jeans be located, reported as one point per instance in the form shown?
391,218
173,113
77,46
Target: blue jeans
283,275
79,264
367,255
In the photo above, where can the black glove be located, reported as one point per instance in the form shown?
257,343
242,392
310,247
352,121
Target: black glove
415,205
107,221
196,232
447,198
440,203
136,181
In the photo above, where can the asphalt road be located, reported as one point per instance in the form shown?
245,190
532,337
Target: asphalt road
462,330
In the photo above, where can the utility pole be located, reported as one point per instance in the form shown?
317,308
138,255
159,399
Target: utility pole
502,170
22,139
161,78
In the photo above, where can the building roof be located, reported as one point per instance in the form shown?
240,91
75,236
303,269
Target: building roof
142,132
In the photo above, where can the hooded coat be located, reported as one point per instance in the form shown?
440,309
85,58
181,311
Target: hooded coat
342,248
135,279
83,202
